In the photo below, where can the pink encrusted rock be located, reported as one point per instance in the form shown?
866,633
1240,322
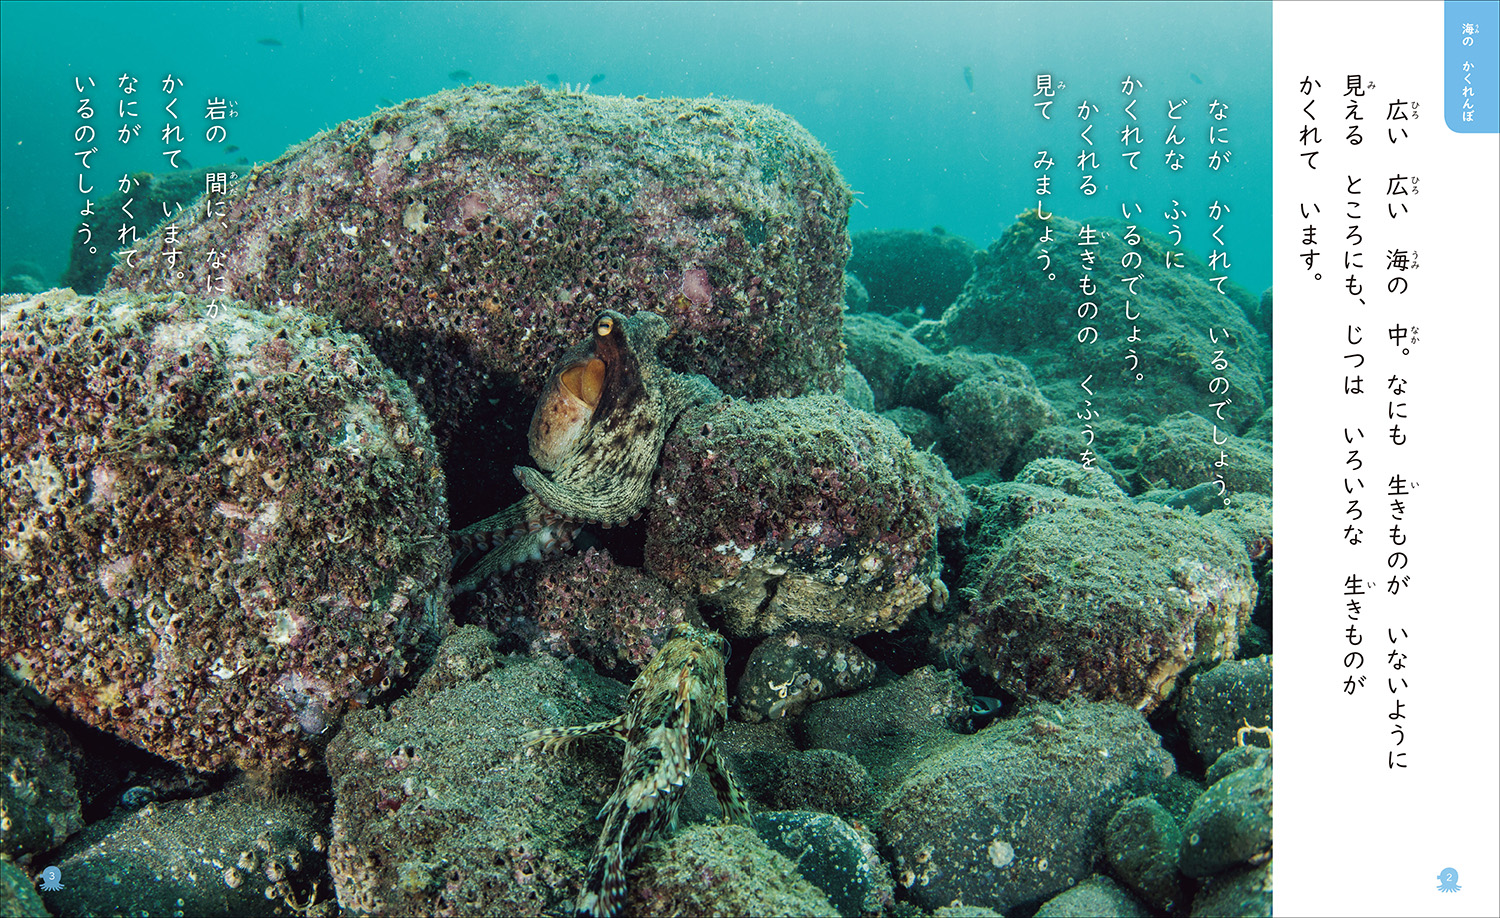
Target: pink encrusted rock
477,232
586,605
216,534
802,513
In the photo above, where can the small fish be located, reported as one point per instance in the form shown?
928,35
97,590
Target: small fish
270,42
596,78
969,78
300,23
243,161
385,103
460,75
1194,77
553,78
231,148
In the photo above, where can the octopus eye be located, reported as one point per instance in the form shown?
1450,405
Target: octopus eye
604,326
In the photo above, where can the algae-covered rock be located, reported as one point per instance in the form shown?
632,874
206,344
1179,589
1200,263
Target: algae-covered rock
1218,703
1141,845
478,231
833,856
1230,824
1017,811
799,513
437,808
911,271
987,418
788,672
39,806
219,526
1185,450
1096,598
18,896
891,727
1096,897
1245,893
885,353
236,852
1160,361
722,870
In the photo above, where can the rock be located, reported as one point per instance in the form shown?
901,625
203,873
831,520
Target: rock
1071,478
238,851
856,297
911,270
1100,599
1141,845
1218,702
799,513
986,420
1245,892
857,391
18,896
885,354
891,727
1017,811
833,856
614,616
219,527
1233,760
438,809
476,232
1096,897
1010,306
1230,824
1184,451
787,673
921,428
722,870
39,807
825,780
150,197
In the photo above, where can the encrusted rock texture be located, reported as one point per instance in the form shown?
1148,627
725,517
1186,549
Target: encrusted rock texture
1186,332
799,513
1102,598
1017,812
218,528
914,272
478,231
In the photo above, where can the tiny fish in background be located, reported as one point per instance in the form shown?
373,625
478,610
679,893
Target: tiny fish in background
270,42
231,148
460,75
553,78
300,23
596,78
1194,77
969,78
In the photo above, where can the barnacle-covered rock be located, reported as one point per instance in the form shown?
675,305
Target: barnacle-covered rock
219,527
788,672
802,513
1100,598
478,231
39,805
236,852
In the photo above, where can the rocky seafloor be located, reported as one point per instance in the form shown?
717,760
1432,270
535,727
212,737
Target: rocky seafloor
970,675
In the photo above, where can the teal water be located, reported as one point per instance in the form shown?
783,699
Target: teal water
927,108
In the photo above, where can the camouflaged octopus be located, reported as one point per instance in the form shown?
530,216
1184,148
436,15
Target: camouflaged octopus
673,712
598,430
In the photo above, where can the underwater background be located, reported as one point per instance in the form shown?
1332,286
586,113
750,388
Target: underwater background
866,408
883,86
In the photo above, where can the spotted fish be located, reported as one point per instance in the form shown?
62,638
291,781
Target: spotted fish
673,711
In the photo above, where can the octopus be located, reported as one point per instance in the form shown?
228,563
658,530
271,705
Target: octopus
673,712
596,436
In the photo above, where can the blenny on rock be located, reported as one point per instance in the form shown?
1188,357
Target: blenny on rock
596,436
673,712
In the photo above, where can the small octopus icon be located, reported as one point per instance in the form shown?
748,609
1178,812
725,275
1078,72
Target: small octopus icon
51,879
1448,880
